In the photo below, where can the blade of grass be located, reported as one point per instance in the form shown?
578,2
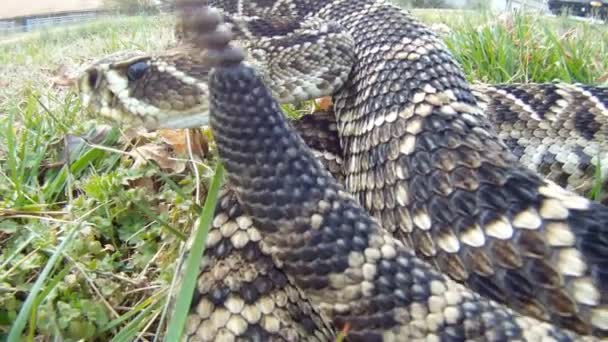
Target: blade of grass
343,333
130,330
88,157
163,223
174,283
11,148
28,305
15,254
184,297
176,188
596,191
33,316
138,309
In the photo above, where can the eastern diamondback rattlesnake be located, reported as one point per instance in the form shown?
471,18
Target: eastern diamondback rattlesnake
293,256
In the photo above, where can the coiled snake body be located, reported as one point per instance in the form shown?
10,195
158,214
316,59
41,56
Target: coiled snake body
293,256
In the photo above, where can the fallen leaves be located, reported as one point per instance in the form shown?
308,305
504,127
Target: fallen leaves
64,76
170,149
161,155
174,149
324,103
178,140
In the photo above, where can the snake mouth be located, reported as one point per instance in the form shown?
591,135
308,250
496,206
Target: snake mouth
108,107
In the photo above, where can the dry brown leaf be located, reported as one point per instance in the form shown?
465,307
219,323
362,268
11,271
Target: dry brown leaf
324,103
200,144
65,76
144,182
160,155
176,138
131,134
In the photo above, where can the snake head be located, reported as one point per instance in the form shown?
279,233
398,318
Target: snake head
133,88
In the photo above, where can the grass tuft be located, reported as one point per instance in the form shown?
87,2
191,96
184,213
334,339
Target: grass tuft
30,306
193,262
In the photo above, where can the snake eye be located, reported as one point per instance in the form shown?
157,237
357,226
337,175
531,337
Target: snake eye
93,77
136,70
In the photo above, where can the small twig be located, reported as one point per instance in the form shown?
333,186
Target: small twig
197,198
93,286
143,289
7,212
16,252
162,222
110,149
139,231
42,218
158,253
143,331
121,278
50,113
194,162
18,263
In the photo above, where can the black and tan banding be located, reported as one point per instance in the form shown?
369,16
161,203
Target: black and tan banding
558,130
356,273
420,150
241,294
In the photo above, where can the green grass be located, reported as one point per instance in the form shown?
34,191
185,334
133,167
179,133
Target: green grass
90,235
524,48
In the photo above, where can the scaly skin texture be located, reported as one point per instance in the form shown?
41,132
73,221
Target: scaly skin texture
242,294
422,156
329,247
558,130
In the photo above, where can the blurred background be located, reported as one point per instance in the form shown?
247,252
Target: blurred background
22,16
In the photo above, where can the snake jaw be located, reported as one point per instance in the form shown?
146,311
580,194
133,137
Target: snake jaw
135,89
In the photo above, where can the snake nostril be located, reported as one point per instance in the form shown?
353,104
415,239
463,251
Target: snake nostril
93,77
137,70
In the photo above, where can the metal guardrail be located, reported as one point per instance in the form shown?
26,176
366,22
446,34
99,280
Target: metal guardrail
34,23
9,26
50,21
